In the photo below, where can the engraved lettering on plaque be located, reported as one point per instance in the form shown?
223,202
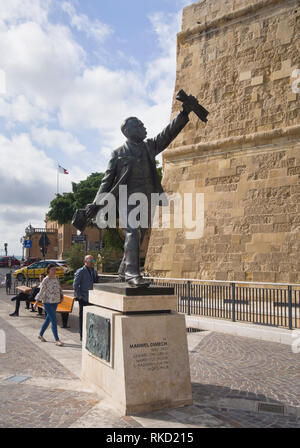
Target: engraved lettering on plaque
151,356
98,336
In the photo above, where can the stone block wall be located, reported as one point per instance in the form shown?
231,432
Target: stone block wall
238,61
239,66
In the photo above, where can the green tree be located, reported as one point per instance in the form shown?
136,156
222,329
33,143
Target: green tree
63,207
113,238
85,191
159,169
75,256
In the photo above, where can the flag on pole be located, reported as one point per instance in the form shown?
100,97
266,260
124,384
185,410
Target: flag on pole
62,170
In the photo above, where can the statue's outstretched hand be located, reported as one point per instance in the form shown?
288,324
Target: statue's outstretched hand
91,210
190,104
187,107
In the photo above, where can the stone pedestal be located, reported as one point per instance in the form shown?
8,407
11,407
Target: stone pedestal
135,348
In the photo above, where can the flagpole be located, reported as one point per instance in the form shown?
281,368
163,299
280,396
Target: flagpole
60,169
57,183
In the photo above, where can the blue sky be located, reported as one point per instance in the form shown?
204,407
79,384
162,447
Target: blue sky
70,72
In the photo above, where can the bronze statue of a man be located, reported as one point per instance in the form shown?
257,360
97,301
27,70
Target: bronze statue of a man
133,164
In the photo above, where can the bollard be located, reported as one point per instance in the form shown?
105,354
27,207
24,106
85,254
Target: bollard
290,308
233,301
189,297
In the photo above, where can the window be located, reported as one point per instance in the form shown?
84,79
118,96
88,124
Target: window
39,265
33,266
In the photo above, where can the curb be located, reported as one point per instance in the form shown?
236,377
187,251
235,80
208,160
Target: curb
270,334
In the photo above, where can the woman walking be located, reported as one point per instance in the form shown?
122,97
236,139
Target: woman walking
51,295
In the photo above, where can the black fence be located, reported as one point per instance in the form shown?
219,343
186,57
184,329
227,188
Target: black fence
271,304
12,289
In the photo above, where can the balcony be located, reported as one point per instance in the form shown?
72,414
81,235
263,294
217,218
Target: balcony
32,230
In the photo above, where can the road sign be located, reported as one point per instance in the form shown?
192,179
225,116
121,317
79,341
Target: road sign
78,238
28,244
44,242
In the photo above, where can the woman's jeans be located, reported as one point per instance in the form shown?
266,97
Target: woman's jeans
50,309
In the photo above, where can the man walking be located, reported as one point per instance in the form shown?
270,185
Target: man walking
84,279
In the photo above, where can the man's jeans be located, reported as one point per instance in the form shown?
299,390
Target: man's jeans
50,309
82,303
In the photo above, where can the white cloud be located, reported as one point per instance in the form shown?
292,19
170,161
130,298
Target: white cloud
99,95
62,141
13,222
28,182
161,72
166,26
15,11
46,71
47,78
82,23
78,173
101,98
2,82
21,161
19,109
39,62
27,213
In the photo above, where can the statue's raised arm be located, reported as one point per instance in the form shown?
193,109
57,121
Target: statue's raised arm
133,165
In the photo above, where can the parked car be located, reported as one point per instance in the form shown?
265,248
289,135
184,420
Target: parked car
30,260
61,263
36,269
4,262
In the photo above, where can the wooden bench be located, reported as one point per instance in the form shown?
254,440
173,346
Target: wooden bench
65,307
24,289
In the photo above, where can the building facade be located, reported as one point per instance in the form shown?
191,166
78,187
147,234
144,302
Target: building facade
241,59
60,238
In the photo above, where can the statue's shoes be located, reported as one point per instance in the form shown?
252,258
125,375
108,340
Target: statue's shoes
138,282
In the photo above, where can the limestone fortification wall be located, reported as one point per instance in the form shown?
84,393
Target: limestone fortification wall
238,57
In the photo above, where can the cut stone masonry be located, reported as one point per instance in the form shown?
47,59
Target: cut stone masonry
246,159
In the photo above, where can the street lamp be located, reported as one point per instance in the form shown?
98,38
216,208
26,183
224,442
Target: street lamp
22,241
29,231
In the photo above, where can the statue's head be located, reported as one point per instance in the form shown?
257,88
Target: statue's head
134,129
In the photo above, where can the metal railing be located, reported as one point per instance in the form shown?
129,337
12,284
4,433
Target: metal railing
26,280
270,304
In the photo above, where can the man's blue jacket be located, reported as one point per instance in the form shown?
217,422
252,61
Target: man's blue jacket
83,282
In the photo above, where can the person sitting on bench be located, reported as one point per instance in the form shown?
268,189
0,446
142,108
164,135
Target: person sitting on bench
22,297
8,282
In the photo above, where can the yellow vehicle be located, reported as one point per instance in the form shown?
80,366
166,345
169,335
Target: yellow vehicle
36,269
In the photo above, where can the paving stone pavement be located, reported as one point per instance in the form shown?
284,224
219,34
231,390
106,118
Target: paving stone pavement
236,367
230,376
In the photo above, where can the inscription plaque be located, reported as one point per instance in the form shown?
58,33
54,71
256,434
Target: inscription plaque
151,356
98,336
